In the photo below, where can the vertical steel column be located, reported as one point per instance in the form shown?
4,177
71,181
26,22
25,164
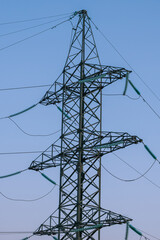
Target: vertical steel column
61,167
81,132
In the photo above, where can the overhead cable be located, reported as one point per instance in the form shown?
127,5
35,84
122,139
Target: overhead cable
138,92
32,106
34,35
104,94
148,234
10,153
28,200
32,27
141,175
129,180
33,135
33,19
26,87
153,183
18,232
155,95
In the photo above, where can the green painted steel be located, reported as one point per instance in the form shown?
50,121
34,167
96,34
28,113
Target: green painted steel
148,150
107,145
55,238
87,228
50,180
92,79
135,230
25,110
135,89
10,175
127,231
65,114
126,84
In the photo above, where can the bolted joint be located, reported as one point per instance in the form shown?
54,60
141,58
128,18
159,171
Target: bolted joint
137,140
83,11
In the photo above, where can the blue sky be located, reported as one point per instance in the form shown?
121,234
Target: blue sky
133,27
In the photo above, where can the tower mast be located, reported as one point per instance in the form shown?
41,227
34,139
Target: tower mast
82,143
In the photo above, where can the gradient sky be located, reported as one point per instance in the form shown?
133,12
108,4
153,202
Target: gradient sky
133,27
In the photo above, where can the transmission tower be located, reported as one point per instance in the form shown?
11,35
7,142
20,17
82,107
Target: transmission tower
82,143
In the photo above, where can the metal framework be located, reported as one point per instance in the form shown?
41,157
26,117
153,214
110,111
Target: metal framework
82,142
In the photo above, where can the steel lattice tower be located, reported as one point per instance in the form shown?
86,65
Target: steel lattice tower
82,143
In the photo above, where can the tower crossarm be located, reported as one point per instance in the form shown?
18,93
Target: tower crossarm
53,96
102,77
48,158
113,141
51,227
106,74
52,156
96,145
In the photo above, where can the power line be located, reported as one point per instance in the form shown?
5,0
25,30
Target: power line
129,180
34,35
28,200
34,19
16,232
151,108
28,28
104,94
156,185
19,88
149,234
22,40
33,135
139,94
16,153
155,95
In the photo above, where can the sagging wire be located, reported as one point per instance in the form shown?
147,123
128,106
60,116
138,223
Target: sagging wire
129,180
141,175
138,92
28,200
136,171
29,108
155,95
121,95
33,135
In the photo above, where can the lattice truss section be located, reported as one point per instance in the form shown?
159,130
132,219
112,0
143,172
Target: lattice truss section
82,143
89,229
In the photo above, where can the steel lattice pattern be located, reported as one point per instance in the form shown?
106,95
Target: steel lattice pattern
82,143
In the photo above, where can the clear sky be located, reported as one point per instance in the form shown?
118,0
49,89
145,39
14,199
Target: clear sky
133,27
